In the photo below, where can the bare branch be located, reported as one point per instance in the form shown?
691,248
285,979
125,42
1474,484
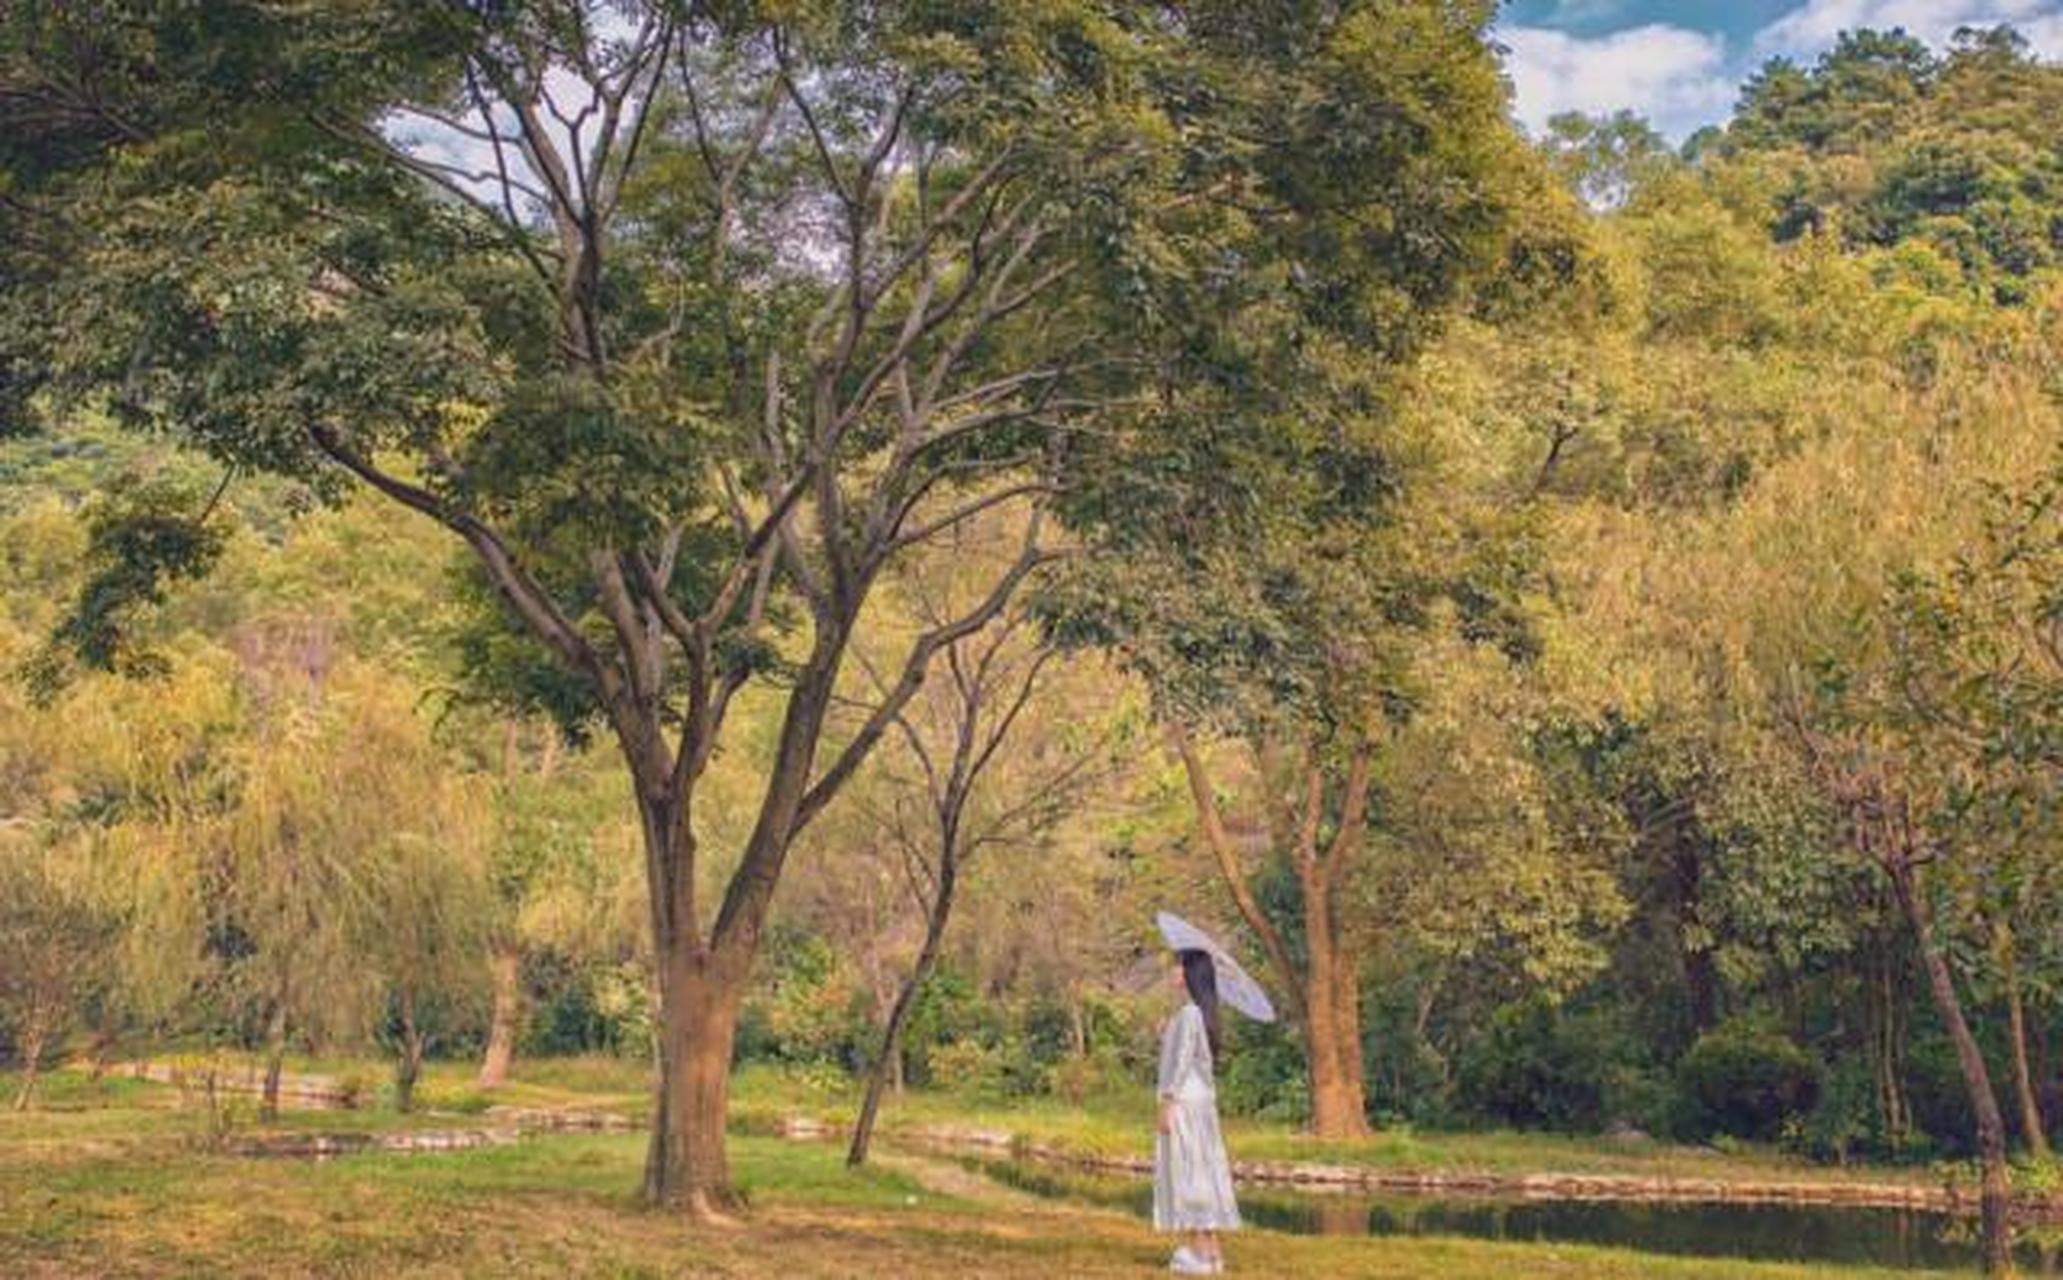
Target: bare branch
1211,823
915,666
965,512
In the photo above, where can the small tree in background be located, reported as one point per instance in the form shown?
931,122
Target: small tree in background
983,765
56,948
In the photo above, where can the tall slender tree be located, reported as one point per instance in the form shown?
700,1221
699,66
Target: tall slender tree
977,784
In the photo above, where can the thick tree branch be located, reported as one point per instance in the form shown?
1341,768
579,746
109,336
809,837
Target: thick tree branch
1211,824
530,601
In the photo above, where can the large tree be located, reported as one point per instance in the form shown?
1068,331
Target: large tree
1280,645
691,320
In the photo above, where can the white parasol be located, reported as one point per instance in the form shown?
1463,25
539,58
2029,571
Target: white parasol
1236,986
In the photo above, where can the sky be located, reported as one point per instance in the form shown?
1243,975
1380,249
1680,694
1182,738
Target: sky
1680,62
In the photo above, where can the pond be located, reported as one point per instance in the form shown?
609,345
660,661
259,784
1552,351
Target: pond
1888,1238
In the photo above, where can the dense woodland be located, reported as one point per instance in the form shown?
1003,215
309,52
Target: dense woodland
1586,614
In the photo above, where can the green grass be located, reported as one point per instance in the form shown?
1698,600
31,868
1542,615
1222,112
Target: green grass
1108,1124
106,1183
1123,1124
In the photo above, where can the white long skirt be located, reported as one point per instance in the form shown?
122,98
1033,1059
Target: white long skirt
1192,1179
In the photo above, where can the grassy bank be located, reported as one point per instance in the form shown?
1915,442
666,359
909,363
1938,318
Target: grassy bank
763,1098
1119,1124
109,1182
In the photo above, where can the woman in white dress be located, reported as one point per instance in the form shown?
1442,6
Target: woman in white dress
1192,1180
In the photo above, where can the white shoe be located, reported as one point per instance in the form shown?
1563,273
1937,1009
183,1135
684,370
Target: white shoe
1186,1263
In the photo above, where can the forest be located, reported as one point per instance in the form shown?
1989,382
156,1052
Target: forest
731,557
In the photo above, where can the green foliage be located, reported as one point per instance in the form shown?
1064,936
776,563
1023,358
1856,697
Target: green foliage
582,1006
1263,1076
1578,483
812,1014
55,933
967,1066
142,539
1887,144
1609,160
1748,1081
1843,1123
1541,1065
1942,1110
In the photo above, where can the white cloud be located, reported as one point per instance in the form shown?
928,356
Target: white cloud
1810,28
1677,78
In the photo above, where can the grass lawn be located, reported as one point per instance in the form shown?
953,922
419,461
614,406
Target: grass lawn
107,1182
762,1097
1123,1124
112,1179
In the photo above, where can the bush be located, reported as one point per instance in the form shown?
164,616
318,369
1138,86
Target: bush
966,1066
805,1007
1075,1079
949,1011
1263,1075
815,1012
1748,1081
1939,1100
579,1008
1540,1065
1844,1122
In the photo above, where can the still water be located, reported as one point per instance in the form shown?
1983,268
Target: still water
1890,1238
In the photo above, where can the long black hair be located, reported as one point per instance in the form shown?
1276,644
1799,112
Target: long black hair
1200,975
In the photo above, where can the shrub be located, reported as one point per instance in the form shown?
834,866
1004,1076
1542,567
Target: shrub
966,1066
1748,1081
949,1010
1076,1078
1844,1122
1263,1075
805,1006
1541,1065
1940,1102
585,1008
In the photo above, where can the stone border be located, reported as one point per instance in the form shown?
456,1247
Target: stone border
323,1146
563,1120
322,1091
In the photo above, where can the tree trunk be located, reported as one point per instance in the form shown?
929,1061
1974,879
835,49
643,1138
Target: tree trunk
102,1048
275,1058
410,1067
1331,1019
686,1166
1353,1066
701,983
1889,998
1333,1066
505,962
2032,1128
905,1003
1700,971
33,1037
1994,1196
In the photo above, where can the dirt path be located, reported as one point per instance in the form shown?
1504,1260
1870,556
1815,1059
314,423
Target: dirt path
946,1178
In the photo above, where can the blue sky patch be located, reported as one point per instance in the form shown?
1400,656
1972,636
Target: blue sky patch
1680,63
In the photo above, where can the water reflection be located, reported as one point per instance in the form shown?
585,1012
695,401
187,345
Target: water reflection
1889,1238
